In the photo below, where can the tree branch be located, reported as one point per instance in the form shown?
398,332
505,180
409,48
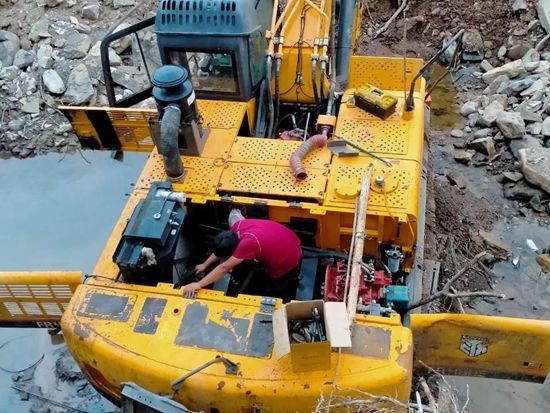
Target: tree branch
429,395
445,290
392,18
475,294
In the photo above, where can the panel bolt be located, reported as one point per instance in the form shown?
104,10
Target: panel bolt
379,181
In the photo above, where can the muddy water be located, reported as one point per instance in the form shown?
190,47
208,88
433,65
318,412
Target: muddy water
531,293
445,113
55,216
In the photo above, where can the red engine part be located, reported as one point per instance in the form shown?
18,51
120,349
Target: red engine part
335,283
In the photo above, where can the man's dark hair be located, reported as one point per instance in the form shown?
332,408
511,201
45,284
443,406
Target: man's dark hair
225,244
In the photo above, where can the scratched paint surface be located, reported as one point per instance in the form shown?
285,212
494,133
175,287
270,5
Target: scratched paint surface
56,216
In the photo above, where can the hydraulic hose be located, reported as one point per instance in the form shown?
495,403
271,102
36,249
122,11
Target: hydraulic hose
259,129
322,84
169,127
270,124
314,85
277,96
316,141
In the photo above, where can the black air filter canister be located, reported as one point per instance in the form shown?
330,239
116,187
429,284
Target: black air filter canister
173,86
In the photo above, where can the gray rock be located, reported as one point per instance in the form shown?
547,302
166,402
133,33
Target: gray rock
484,100
53,3
512,100
502,51
527,142
518,50
534,128
123,3
45,50
511,125
9,46
528,116
483,145
537,96
531,56
530,66
9,73
522,191
135,81
31,105
114,59
16,125
90,12
481,133
39,30
499,248
546,127
535,165
79,86
45,62
513,176
531,106
486,66
457,133
543,67
496,84
490,114
464,156
23,59
472,119
536,86
502,99
123,43
519,5
83,28
545,56
77,46
467,129
472,45
517,86
457,179
543,12
53,82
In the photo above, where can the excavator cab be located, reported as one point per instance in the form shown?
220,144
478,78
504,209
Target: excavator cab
221,44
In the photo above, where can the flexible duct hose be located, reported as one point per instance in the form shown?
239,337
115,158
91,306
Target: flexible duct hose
316,141
169,127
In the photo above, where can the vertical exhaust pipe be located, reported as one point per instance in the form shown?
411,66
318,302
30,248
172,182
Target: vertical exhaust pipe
344,46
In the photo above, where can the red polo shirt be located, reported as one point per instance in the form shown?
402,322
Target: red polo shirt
273,245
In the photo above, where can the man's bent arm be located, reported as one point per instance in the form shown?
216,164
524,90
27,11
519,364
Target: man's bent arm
210,260
219,271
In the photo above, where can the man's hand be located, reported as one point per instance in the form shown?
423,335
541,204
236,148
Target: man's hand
190,290
201,268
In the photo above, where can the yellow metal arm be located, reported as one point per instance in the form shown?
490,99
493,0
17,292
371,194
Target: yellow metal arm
472,345
35,299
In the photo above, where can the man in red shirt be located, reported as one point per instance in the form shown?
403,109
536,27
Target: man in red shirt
273,245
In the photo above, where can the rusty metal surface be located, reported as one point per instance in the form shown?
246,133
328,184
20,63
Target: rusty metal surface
226,334
150,315
367,341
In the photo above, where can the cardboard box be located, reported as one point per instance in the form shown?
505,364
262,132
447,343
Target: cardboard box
311,356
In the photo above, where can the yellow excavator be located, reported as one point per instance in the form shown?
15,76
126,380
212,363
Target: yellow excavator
255,105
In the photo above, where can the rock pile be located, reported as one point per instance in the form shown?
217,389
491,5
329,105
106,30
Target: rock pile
513,111
56,64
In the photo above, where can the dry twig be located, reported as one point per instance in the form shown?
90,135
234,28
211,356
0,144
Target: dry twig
428,393
445,290
392,18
